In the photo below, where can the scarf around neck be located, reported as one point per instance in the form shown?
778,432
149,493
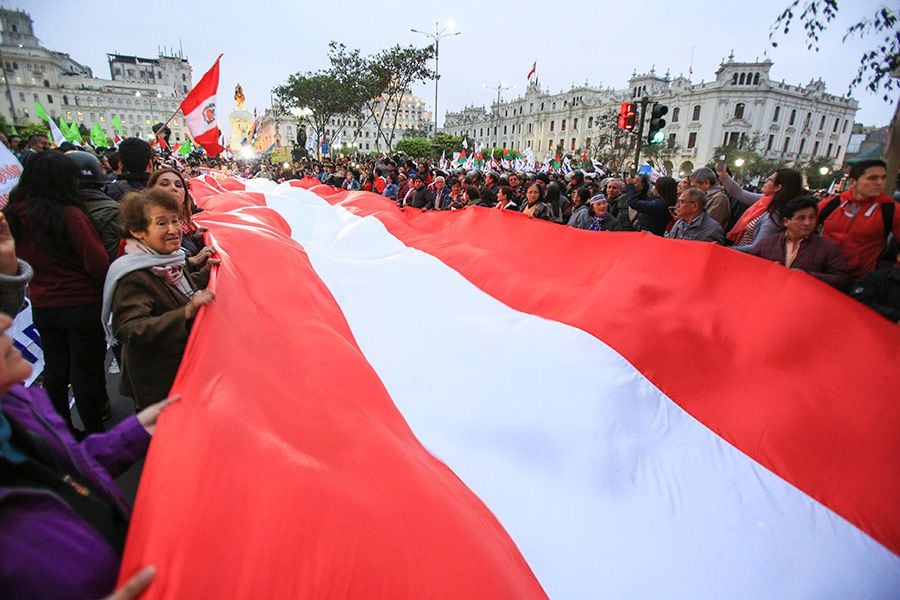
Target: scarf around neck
168,267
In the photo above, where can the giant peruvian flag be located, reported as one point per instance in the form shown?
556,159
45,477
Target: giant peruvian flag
474,404
199,108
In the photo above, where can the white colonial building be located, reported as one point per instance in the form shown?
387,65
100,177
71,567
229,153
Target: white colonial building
141,91
793,123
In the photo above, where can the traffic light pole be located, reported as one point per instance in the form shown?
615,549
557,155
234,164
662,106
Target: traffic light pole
640,135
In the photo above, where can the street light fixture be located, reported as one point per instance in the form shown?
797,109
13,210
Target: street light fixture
739,162
823,171
437,36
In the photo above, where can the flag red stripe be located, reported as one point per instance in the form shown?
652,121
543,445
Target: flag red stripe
799,377
206,87
346,478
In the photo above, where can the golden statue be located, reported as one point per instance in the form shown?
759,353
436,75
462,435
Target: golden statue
239,96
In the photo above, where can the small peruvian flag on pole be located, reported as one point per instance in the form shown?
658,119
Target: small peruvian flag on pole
199,108
532,71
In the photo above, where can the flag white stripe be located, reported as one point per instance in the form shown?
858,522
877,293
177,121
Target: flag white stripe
607,487
195,120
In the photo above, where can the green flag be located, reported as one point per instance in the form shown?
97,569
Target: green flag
13,130
117,125
98,136
76,133
64,127
39,111
185,148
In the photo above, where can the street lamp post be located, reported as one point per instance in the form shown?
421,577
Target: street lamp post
437,36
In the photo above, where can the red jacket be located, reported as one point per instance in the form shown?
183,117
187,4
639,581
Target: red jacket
861,237
70,280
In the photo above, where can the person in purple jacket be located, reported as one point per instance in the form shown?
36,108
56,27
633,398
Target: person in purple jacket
62,519
798,247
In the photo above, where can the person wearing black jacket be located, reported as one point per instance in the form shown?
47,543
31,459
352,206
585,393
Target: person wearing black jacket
102,210
136,157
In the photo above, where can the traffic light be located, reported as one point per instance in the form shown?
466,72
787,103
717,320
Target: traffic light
655,134
626,116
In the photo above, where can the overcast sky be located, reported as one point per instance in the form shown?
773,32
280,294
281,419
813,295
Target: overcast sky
573,42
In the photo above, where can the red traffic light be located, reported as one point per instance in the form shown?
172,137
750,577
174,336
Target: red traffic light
626,116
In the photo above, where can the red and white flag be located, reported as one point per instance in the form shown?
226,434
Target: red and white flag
532,71
446,405
199,108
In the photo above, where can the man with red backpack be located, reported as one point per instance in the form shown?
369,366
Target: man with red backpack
862,219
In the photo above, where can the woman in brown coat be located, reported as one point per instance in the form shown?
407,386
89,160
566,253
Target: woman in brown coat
150,299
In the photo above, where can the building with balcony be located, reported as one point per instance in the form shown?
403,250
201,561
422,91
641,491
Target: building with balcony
742,105
140,92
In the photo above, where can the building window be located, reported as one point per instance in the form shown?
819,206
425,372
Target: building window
756,79
49,99
575,124
739,111
787,143
806,122
830,148
590,122
836,123
838,153
793,117
542,106
504,130
550,145
777,114
675,112
802,145
725,139
671,140
692,139
734,79
696,116
742,79
587,143
822,123
844,128
563,128
771,143
551,125
815,148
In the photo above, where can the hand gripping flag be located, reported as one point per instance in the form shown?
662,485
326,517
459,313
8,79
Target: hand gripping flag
501,433
199,108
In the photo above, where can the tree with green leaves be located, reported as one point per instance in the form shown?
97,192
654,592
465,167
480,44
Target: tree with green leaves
448,144
380,83
321,93
415,147
879,67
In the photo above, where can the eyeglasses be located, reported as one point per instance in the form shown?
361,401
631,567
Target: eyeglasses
166,224
679,201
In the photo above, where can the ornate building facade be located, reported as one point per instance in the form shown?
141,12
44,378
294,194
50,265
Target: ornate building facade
141,91
741,106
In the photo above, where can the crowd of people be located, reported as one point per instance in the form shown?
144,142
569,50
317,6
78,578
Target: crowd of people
113,258
847,240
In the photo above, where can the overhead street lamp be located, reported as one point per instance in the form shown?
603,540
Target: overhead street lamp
500,87
437,36
823,171
739,162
